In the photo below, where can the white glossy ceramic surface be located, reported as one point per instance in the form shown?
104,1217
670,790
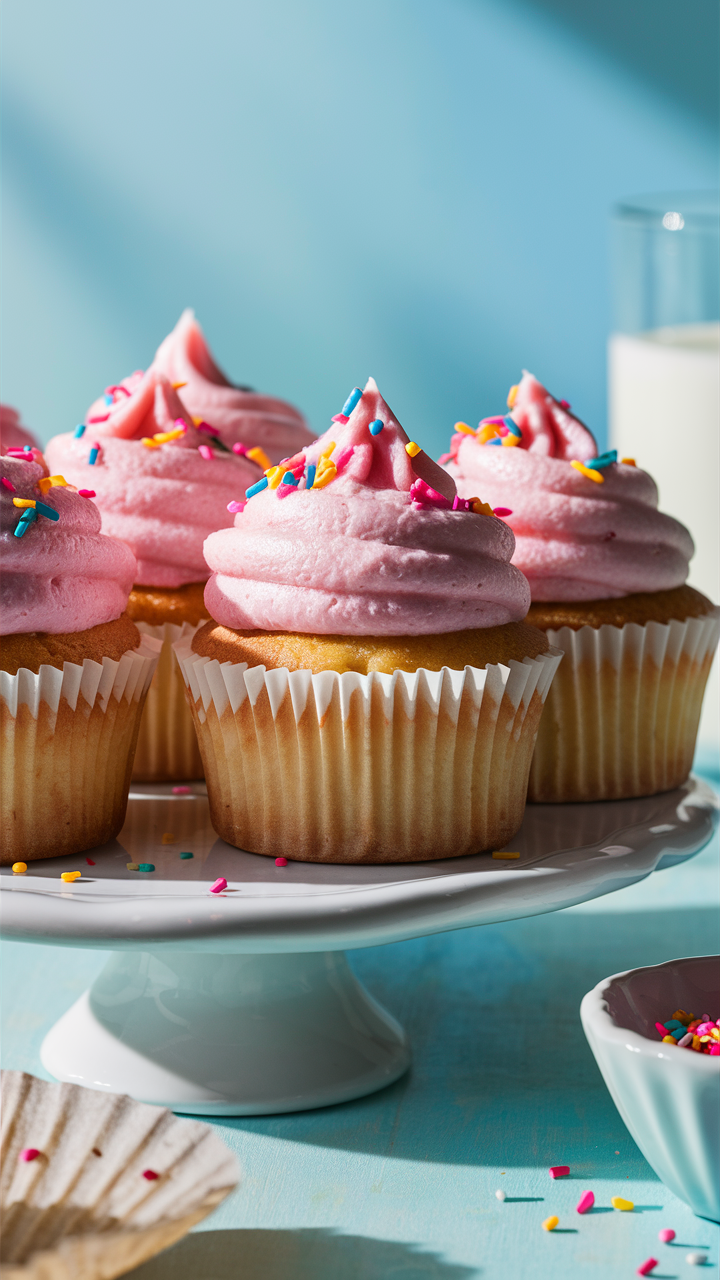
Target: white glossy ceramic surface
668,1097
238,1003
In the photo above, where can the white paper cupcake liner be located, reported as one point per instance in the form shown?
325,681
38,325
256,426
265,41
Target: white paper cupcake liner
366,768
68,743
622,715
167,748
82,1209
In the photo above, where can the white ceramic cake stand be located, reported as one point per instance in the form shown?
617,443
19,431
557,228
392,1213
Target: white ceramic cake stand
243,1003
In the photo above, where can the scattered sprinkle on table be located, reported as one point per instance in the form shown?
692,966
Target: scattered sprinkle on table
666,1235
500,1195
586,1202
624,1206
151,1175
647,1266
181,791
550,1223
30,1153
132,866
19,868
219,885
146,866
186,855
168,838
559,1170
696,1259
70,876
506,857
281,862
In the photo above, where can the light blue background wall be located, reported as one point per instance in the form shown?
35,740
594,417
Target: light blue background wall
416,189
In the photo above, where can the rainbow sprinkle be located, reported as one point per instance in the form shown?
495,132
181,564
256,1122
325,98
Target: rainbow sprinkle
588,471
412,449
87,493
94,454
79,431
206,452
8,484
259,455
605,460
376,427
256,488
23,524
51,482
687,1032
353,399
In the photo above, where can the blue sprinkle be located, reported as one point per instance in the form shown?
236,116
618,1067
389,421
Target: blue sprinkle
352,400
310,475
605,460
673,1024
679,1033
92,459
512,427
25,521
50,512
289,478
108,398
27,448
186,855
257,488
146,866
376,427
79,431
495,440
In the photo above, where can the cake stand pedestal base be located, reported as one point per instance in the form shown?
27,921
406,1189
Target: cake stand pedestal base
232,1035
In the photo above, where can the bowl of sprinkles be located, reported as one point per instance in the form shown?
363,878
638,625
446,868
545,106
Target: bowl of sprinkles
655,1034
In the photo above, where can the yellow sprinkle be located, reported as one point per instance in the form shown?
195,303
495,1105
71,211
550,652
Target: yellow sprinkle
259,455
629,462
324,477
510,441
132,866
696,1042
669,1040
164,437
465,429
488,432
149,443
412,448
23,502
326,452
703,1039
624,1206
177,385
274,476
19,868
550,1223
168,838
51,482
69,876
715,1034
197,421
588,471
512,396
506,857
482,508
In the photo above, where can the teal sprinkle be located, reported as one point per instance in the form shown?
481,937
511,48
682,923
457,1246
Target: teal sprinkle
605,460
79,431
49,512
25,521
186,855
146,866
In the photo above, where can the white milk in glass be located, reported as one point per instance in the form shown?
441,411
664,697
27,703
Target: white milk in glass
665,412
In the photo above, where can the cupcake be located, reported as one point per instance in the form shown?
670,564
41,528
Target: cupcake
607,572
74,669
161,485
241,415
367,690
13,435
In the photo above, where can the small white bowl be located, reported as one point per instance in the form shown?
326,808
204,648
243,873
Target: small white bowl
668,1097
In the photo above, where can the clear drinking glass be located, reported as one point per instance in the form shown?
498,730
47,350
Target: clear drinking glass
664,369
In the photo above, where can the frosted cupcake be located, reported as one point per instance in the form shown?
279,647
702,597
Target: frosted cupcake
162,485
367,690
607,572
74,669
241,415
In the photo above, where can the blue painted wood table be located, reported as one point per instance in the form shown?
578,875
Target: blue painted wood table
401,1185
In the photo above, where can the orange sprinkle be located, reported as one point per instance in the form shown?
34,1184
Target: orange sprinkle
51,482
512,396
588,471
23,502
629,462
259,455
465,429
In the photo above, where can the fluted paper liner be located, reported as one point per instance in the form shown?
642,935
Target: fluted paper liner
82,1210
366,768
68,743
622,715
167,748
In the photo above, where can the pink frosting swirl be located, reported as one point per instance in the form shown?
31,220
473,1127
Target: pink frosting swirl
62,575
377,551
240,415
576,539
162,501
13,435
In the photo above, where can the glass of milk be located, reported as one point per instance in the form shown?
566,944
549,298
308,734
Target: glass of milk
664,372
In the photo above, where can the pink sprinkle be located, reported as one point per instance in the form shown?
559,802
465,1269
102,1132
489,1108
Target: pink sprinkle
565,405
9,485
586,1202
344,456
207,430
181,791
666,1235
444,457
30,1153
233,507
340,417
86,493
103,417
659,1027
492,422
90,862
219,885
714,1050
283,490
503,430
648,1266
297,460
423,492
281,862
20,453
110,391
206,452
151,1175
239,448
559,1170
502,511
705,1028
